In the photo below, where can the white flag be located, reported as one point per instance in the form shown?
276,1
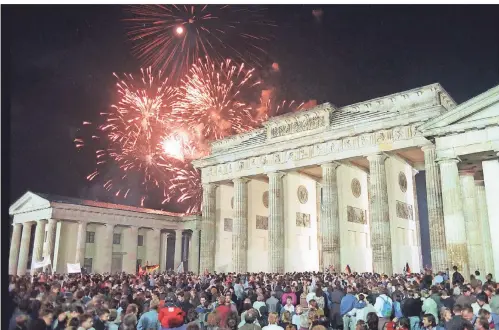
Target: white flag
74,268
180,268
40,264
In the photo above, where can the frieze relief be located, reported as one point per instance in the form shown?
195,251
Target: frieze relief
262,222
298,126
228,224
303,220
356,215
231,169
404,211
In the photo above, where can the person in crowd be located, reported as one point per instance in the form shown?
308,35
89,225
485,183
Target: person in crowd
457,277
468,315
372,321
149,320
273,320
288,306
384,308
494,302
492,319
482,324
481,303
273,304
44,320
429,305
429,322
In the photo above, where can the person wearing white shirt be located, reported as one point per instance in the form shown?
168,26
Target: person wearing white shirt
273,318
378,306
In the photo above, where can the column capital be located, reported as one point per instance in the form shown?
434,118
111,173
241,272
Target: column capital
448,160
241,180
331,165
209,186
414,172
428,147
14,224
380,157
275,174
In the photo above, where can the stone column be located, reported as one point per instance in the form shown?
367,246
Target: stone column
185,248
416,220
15,243
240,230
130,243
455,228
330,218
484,218
24,252
152,248
438,246
472,223
106,248
164,251
194,252
81,243
178,248
491,175
208,233
48,248
37,255
276,223
380,218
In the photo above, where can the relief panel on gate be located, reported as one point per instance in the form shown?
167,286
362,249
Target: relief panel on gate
262,222
402,182
228,224
302,194
356,188
356,215
265,199
404,211
302,220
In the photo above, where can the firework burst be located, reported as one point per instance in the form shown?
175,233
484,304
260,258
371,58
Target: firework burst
134,132
211,104
172,37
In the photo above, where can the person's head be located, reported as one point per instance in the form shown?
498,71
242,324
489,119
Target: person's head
21,320
286,317
455,268
273,317
484,313
477,273
76,311
47,315
298,310
129,321
180,296
429,321
482,299
154,303
86,321
404,324
192,326
372,321
482,324
467,313
361,325
312,304
228,299
251,316
132,309
457,309
289,301
446,314
103,314
113,314
212,320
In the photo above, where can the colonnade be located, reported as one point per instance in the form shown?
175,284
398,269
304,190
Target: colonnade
46,242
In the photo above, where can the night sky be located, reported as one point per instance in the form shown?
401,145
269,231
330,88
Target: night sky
62,59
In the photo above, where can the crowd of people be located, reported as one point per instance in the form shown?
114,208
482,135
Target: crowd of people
291,301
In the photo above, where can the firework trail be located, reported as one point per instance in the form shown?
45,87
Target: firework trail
173,37
212,104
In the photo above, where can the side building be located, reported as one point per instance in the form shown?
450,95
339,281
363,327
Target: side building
101,237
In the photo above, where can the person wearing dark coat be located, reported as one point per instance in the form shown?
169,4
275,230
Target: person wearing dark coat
44,321
334,310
